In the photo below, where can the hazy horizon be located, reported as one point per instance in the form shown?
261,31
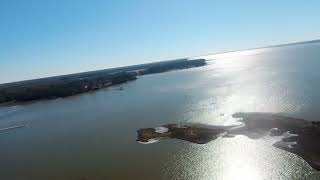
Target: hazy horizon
223,52
230,51
43,39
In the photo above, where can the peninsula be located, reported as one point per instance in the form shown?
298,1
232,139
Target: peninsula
68,85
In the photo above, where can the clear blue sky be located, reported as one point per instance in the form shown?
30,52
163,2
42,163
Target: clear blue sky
40,38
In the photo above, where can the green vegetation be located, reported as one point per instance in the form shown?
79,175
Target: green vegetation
64,86
175,66
65,89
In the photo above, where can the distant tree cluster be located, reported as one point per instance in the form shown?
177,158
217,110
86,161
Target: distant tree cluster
184,64
71,85
64,89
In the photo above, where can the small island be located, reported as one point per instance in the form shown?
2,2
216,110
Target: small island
299,136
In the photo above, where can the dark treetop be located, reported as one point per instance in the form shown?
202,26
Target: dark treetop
68,85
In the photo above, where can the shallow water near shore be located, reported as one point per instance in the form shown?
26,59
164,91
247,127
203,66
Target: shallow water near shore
93,135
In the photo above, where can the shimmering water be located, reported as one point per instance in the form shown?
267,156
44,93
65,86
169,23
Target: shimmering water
93,135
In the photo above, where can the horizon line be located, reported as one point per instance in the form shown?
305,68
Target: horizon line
192,57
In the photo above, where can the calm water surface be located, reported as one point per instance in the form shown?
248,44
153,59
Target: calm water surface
93,136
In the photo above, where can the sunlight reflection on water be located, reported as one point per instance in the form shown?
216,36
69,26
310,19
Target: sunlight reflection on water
236,158
94,134
247,87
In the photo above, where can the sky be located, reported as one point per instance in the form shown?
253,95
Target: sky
42,38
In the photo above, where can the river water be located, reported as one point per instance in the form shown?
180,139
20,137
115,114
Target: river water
93,135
